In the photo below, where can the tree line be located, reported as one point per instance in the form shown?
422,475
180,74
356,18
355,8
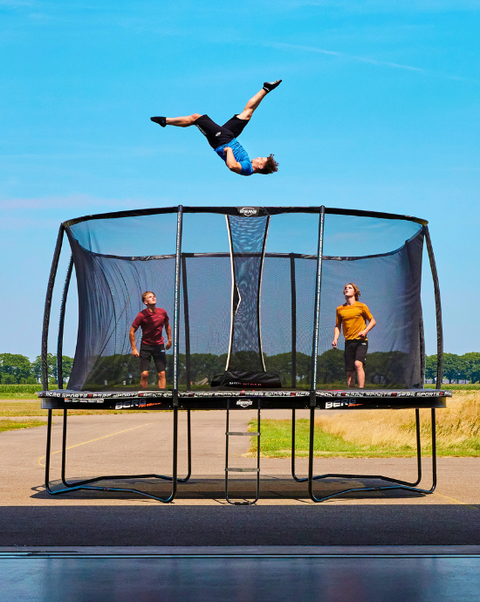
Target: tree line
18,369
381,368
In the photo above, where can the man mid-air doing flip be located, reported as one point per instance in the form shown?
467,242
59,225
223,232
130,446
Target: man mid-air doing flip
223,138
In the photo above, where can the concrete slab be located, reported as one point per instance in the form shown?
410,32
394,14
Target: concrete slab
140,443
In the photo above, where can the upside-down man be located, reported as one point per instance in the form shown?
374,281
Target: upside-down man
223,138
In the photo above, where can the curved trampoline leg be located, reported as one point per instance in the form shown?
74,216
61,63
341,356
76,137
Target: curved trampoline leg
397,483
83,485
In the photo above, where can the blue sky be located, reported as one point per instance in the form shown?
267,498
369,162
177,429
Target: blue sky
379,110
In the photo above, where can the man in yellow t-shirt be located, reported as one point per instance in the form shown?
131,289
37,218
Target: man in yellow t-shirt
357,321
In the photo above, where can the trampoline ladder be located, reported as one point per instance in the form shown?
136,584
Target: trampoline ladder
229,469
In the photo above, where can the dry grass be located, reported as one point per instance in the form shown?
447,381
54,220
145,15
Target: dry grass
458,426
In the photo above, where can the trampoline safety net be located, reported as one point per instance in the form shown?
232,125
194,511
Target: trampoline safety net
251,293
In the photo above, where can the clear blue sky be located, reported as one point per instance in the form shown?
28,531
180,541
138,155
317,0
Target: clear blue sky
379,110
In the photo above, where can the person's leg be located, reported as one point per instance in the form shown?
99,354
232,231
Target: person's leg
160,360
144,379
349,357
145,359
360,358
254,102
360,374
351,379
182,122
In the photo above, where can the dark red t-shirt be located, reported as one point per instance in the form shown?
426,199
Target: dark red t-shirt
151,325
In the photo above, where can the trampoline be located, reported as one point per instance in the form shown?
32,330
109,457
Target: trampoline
251,293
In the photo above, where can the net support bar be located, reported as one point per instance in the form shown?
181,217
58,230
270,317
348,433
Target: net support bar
48,306
176,319
318,292
438,308
61,324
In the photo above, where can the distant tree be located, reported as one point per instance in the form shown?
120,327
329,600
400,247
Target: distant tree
472,369
14,368
331,367
67,363
454,367
431,367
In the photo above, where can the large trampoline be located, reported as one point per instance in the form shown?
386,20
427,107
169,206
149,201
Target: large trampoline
251,293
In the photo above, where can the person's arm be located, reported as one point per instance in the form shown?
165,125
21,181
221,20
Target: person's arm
336,332
131,335
168,330
363,333
232,163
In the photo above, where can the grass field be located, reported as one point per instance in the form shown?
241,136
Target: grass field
19,391
372,433
11,411
380,433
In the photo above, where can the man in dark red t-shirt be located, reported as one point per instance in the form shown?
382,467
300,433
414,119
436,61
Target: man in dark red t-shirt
151,320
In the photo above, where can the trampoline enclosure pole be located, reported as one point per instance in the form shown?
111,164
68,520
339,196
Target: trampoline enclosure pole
61,324
438,309
318,290
293,294
48,306
186,319
176,319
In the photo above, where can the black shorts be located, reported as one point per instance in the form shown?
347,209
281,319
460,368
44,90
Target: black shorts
158,354
220,134
355,350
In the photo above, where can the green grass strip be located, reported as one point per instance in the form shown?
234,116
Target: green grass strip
276,442
10,425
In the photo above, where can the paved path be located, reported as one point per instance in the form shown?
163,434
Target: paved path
140,443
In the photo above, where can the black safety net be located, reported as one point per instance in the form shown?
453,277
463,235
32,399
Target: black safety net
246,290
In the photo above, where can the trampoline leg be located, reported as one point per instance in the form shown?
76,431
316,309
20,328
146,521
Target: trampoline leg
310,454
419,447
397,483
434,451
48,452
64,448
189,448
298,479
83,485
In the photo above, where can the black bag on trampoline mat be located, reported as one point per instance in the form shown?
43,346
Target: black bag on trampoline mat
247,380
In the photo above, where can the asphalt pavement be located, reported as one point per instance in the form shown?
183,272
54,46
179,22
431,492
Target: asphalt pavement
135,444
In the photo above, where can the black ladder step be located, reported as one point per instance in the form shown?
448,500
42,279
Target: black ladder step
242,469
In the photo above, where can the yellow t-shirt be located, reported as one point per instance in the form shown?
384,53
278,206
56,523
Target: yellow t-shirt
353,319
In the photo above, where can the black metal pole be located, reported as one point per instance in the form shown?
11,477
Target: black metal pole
293,303
313,399
61,324
438,309
186,320
176,319
48,306
318,291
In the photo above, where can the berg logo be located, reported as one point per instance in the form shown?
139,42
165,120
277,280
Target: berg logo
244,403
335,405
248,211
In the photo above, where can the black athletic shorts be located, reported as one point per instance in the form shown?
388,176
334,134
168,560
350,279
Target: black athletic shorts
158,354
355,349
220,134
